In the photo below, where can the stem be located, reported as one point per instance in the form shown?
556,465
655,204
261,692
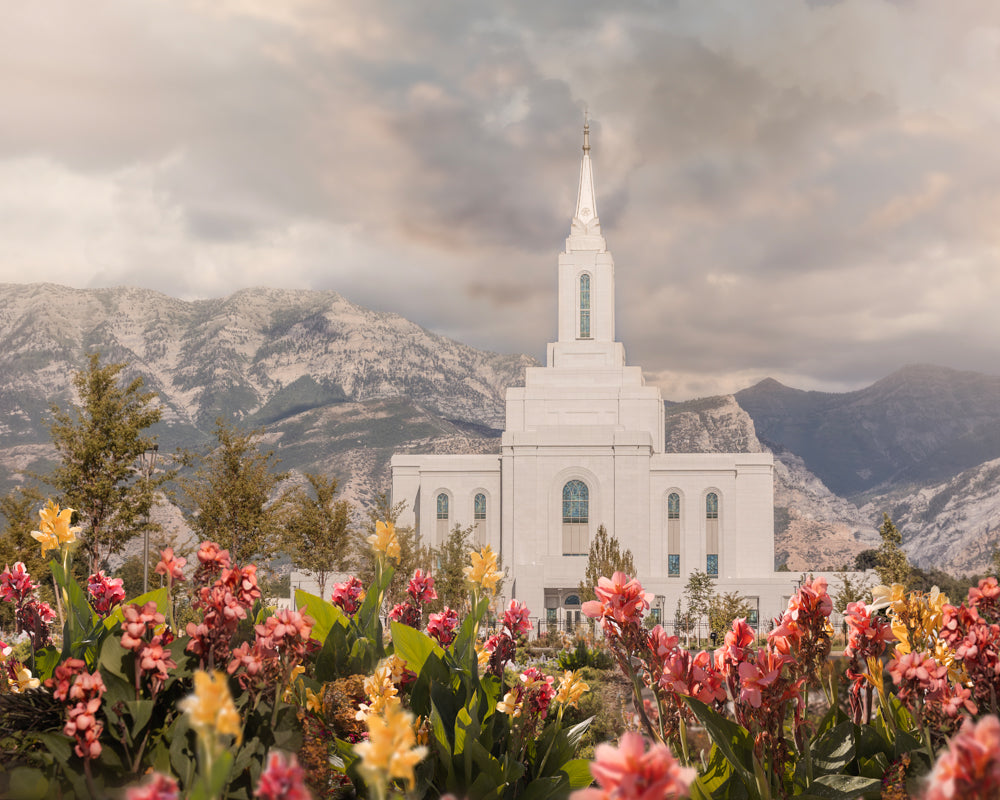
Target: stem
548,750
89,778
682,730
58,594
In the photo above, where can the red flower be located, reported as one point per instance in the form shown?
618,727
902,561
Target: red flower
516,618
442,626
105,592
347,595
406,613
158,787
421,587
282,779
629,772
15,584
970,768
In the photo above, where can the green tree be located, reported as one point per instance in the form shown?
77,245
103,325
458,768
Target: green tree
866,560
451,559
850,591
100,443
317,530
232,498
724,609
996,562
891,565
605,559
699,591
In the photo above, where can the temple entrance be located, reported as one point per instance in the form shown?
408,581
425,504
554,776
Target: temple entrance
562,610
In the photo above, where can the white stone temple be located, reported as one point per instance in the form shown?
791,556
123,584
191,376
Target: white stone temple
584,447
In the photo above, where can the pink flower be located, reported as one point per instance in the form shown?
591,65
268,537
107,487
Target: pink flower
105,592
442,626
406,613
15,584
286,632
282,779
347,595
158,787
629,772
170,565
516,618
82,722
868,635
753,680
137,623
970,768
421,587
620,598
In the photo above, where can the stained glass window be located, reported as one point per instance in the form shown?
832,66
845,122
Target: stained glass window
442,506
674,565
480,506
584,306
674,506
712,565
712,506
576,502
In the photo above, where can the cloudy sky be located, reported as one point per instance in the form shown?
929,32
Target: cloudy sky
803,190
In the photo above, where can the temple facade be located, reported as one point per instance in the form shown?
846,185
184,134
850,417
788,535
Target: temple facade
583,446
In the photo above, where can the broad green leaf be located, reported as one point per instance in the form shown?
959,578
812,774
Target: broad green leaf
541,788
732,740
843,787
413,646
325,613
159,596
141,711
835,749
28,784
46,661
577,772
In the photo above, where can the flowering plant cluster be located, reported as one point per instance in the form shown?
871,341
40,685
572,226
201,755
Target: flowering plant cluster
754,700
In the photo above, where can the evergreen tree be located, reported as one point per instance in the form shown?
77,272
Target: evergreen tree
100,443
699,591
866,560
605,559
231,498
891,566
851,591
451,559
317,530
724,609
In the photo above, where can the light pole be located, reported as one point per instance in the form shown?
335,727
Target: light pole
148,463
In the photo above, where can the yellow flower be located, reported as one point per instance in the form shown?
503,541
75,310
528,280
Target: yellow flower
571,688
391,750
314,702
384,541
509,705
380,690
211,707
484,572
55,528
24,681
289,693
482,656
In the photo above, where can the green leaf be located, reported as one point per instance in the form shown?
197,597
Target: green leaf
835,749
27,784
325,613
159,596
577,772
732,740
141,711
46,661
413,646
541,788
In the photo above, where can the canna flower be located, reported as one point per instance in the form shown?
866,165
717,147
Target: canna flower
349,595
211,707
630,772
25,681
970,767
442,626
381,692
171,565
571,688
421,587
384,541
483,572
391,750
314,701
55,528
105,592
158,787
282,779
619,597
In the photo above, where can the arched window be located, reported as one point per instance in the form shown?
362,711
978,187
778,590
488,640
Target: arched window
443,518
673,535
585,306
576,519
479,511
712,534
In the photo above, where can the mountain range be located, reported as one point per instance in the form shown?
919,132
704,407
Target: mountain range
338,388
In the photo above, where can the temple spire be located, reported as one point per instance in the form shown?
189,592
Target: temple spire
585,230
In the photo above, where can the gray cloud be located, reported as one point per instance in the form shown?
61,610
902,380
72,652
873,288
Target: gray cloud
801,190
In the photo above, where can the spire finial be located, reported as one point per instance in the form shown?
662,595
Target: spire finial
586,131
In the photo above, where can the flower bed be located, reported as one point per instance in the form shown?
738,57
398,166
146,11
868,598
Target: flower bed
249,701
